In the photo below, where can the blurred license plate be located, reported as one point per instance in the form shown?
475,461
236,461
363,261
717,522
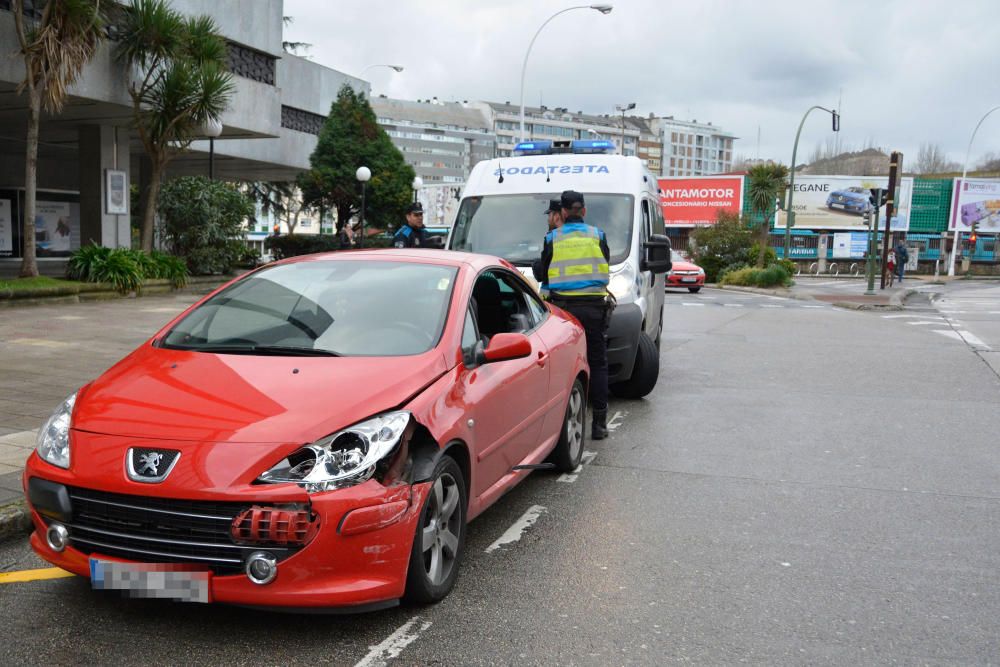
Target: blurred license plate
150,580
689,280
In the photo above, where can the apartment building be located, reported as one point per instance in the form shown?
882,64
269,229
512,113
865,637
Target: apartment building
691,148
442,141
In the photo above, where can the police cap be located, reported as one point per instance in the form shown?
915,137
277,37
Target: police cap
415,207
554,206
571,197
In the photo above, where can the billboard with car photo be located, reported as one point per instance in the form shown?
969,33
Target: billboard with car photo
840,203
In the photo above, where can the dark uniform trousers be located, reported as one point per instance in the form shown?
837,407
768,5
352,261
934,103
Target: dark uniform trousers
593,316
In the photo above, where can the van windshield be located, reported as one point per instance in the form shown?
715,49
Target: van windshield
513,226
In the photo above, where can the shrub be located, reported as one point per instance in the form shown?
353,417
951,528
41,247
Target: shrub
790,267
749,276
203,223
250,257
124,268
770,255
725,244
86,261
120,270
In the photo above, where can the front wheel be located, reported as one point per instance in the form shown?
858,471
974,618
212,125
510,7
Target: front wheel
569,450
694,290
645,372
440,537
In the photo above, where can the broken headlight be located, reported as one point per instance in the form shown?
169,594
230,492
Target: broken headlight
344,458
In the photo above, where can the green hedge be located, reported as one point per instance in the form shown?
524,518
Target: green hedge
124,268
772,276
293,245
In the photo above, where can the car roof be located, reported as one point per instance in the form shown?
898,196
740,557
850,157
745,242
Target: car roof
454,258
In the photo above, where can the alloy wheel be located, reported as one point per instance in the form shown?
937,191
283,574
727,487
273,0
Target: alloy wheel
442,527
574,423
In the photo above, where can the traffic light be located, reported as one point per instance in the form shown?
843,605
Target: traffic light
972,236
836,122
878,197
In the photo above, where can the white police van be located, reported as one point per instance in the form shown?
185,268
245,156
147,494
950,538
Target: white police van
502,213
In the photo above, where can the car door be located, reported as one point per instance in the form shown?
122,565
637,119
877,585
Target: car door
506,399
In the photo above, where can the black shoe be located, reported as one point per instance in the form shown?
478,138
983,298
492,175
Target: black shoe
599,425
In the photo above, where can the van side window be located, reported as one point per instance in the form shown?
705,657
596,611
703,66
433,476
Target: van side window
646,223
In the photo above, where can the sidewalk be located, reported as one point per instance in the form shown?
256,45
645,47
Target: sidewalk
846,292
14,451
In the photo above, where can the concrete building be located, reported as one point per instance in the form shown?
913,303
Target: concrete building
269,129
442,141
556,124
691,148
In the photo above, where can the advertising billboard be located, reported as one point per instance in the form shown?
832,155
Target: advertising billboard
6,229
52,227
975,200
839,203
696,200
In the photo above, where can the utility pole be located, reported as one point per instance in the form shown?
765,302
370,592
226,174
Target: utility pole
623,108
871,217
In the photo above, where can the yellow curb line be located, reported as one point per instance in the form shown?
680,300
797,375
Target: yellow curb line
34,575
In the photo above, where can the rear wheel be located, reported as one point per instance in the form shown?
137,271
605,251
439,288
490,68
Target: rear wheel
569,450
645,372
440,536
694,290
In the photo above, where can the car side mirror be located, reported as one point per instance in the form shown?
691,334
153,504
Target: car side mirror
657,254
505,346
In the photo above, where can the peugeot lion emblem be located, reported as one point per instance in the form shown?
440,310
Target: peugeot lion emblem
150,465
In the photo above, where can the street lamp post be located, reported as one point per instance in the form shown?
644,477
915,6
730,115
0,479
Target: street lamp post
211,129
604,9
417,184
965,168
363,174
789,211
623,108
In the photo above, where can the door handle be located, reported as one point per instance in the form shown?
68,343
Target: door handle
542,358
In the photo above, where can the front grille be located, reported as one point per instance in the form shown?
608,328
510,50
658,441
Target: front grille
160,530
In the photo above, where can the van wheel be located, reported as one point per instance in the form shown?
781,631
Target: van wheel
644,373
694,290
569,450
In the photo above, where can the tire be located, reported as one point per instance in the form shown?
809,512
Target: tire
569,450
433,570
644,373
694,290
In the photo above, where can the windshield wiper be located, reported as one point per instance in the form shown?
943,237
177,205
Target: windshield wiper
272,350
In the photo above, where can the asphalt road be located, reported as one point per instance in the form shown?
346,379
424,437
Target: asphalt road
806,485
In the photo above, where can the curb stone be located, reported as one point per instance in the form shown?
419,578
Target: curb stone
786,293
895,302
15,520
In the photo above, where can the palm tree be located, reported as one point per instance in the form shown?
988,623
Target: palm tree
61,39
766,183
180,82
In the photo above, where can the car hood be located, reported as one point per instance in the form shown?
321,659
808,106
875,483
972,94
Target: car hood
157,393
684,266
849,195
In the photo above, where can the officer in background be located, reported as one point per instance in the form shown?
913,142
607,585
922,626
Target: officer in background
555,220
574,264
412,234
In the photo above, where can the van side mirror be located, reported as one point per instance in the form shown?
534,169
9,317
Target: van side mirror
656,254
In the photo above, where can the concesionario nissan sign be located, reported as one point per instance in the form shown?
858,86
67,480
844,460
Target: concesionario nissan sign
696,200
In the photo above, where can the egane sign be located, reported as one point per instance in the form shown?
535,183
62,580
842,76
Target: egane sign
840,203
696,200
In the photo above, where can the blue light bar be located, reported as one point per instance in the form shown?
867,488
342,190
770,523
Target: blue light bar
590,146
533,148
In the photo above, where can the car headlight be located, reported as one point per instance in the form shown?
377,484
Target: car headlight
53,437
344,458
622,283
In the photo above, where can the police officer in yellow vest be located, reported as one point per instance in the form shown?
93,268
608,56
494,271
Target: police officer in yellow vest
574,264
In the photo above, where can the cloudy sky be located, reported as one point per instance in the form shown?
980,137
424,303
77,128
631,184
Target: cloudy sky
906,71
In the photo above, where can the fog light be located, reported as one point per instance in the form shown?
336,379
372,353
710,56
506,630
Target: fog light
57,537
262,567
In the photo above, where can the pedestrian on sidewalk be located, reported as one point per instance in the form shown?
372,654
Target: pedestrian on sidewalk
890,266
902,257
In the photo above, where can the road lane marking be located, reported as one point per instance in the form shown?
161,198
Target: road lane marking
917,324
393,645
949,333
972,340
688,303
616,420
814,306
515,532
34,575
771,305
570,477
733,305
919,317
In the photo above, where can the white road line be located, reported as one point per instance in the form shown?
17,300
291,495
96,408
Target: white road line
814,306
616,420
971,339
393,645
917,324
688,303
771,305
733,305
710,298
514,533
570,477
949,333
919,317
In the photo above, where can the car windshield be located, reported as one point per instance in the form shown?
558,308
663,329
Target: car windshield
345,308
513,226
